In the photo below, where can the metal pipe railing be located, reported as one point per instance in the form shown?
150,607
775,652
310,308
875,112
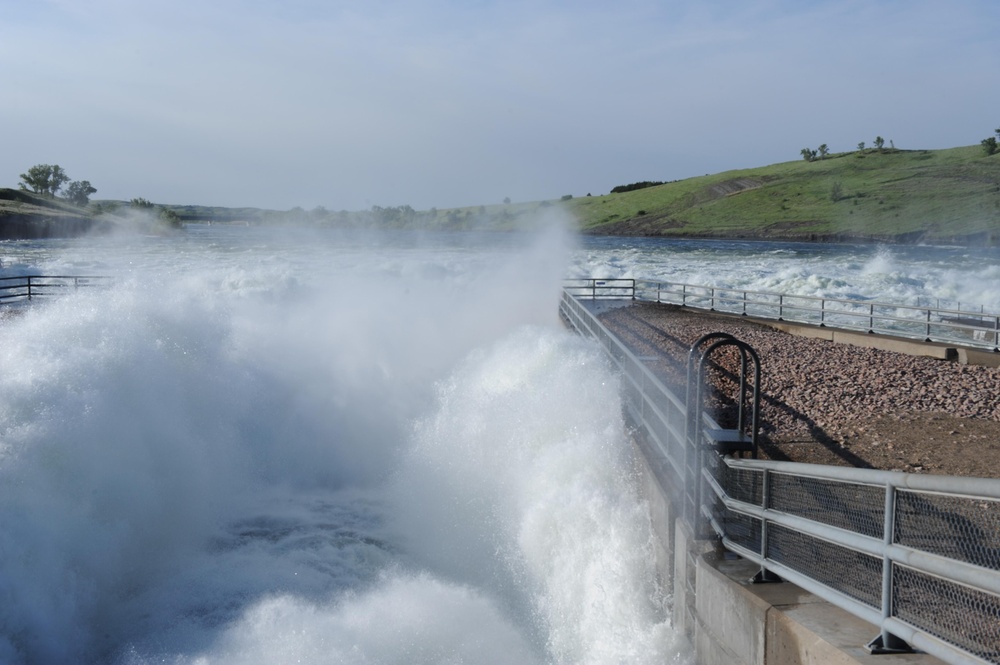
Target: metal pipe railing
29,287
934,543
975,328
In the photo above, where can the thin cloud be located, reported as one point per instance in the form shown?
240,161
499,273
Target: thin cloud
443,104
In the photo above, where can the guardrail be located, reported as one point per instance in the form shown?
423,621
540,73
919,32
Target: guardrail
601,289
917,556
29,287
933,324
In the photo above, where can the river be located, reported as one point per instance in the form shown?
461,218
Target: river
288,445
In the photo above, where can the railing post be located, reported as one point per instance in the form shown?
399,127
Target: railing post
822,312
684,294
713,299
764,576
781,307
744,303
886,642
927,335
29,287
871,317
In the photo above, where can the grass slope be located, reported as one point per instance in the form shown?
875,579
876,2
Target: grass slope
934,196
26,215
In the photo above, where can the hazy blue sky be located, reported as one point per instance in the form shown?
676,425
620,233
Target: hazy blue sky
277,103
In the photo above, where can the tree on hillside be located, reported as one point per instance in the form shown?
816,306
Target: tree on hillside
140,202
78,192
990,146
170,218
44,179
879,143
861,146
823,151
836,192
808,154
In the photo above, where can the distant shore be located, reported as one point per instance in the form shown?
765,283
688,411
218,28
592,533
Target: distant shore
982,239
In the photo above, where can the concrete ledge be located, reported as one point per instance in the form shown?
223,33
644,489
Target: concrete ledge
799,330
913,347
777,624
896,344
731,624
979,357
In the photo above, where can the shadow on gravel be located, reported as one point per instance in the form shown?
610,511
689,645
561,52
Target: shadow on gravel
672,352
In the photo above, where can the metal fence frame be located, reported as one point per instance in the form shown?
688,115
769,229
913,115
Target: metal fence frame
756,508
968,327
28,287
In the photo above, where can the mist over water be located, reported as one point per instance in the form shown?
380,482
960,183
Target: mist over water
909,275
270,446
280,445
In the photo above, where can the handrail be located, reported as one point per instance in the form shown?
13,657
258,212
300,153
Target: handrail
971,328
916,555
28,287
612,288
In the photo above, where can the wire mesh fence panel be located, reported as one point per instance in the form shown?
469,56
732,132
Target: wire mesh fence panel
852,506
960,615
958,527
744,485
848,571
741,529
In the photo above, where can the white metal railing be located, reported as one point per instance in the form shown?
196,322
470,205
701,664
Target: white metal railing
916,555
29,287
967,327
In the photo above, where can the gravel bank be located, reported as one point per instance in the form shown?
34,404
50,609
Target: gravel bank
833,403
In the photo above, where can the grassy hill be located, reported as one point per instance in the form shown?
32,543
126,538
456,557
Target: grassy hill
933,196
26,215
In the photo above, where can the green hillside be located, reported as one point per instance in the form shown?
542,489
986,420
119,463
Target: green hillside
26,215
934,196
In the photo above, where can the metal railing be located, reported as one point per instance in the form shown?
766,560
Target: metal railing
916,555
967,327
601,289
29,287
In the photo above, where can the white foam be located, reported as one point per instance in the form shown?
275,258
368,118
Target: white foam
206,464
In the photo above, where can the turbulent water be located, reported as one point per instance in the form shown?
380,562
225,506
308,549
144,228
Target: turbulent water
269,446
948,277
285,446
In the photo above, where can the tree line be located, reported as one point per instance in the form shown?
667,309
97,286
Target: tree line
991,146
48,179
811,155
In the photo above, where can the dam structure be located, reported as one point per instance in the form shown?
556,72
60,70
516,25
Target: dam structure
781,562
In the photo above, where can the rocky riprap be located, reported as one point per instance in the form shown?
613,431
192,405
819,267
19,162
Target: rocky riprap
834,403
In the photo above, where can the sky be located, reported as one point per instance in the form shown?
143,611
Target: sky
448,103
